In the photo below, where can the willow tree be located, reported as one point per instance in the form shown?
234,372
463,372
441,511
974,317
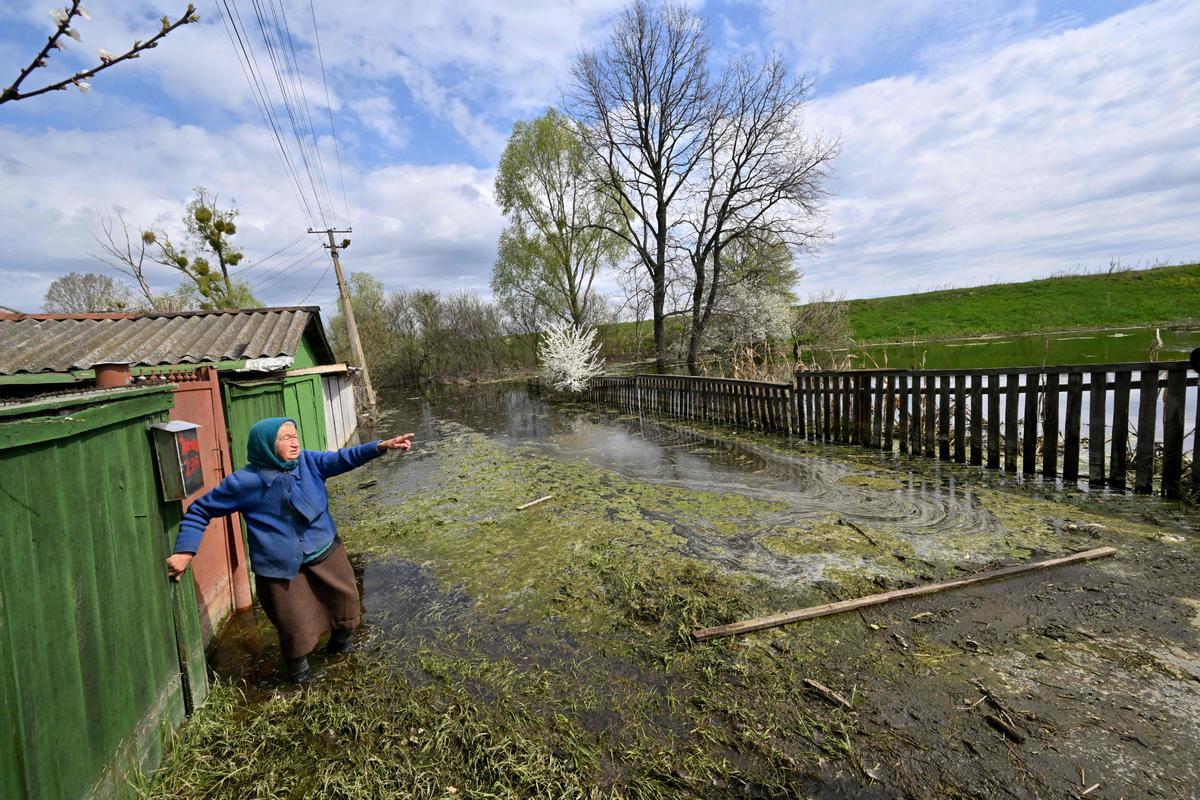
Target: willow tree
558,237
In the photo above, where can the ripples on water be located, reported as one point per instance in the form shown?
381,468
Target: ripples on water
660,452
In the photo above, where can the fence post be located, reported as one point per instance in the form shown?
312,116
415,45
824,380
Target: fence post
1071,427
1172,464
960,418
1096,431
1029,456
1120,436
1147,416
993,421
1050,428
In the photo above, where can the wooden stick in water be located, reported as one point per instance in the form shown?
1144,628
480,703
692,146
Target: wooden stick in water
534,502
886,597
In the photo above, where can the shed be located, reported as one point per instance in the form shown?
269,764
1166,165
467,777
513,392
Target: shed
255,363
100,654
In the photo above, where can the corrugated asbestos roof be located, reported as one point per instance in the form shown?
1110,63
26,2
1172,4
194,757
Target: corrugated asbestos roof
31,343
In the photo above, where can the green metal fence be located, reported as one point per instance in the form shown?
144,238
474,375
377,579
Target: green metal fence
100,655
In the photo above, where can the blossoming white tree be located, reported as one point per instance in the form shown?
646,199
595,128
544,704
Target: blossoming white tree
570,358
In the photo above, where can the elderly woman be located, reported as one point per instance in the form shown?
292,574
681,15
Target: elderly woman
304,580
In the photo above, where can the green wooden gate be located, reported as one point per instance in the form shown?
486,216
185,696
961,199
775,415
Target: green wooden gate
298,397
100,654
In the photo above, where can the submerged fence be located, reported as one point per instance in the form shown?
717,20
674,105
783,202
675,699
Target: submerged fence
1117,425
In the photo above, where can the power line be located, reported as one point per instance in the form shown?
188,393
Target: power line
299,83
289,104
315,285
262,261
282,272
261,96
329,107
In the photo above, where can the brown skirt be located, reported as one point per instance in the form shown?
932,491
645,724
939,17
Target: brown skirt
322,596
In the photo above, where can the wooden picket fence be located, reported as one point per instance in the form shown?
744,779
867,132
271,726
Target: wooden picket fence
744,404
1067,422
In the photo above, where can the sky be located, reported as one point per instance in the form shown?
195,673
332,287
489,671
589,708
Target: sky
981,140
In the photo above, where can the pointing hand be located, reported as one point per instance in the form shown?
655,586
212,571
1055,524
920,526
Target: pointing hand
402,442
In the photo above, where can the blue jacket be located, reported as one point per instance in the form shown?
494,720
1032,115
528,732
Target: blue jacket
279,534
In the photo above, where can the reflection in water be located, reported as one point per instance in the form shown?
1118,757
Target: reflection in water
643,449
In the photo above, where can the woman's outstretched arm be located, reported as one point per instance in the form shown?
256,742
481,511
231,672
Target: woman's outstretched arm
336,462
224,498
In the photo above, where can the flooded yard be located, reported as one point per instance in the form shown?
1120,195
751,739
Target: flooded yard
546,652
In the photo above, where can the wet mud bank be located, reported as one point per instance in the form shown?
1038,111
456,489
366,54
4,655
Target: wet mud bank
546,652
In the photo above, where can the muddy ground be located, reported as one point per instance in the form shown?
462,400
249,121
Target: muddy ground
546,652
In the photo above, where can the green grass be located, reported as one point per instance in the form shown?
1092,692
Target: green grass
1134,297
1156,296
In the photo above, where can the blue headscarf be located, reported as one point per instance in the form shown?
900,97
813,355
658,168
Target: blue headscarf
260,445
260,452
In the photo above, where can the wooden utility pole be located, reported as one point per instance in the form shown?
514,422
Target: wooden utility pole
348,311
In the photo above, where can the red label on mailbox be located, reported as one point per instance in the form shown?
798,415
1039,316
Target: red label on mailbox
190,467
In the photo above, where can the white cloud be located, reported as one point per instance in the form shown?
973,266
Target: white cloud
473,64
380,115
431,227
1056,151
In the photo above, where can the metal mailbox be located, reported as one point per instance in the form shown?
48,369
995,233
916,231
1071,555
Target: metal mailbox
177,450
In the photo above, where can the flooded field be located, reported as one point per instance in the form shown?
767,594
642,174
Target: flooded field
546,652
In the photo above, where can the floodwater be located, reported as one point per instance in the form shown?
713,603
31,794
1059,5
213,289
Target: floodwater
917,726
1108,346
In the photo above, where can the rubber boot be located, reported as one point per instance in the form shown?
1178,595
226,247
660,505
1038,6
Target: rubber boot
339,641
298,671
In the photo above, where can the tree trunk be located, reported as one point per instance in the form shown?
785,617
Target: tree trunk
660,326
660,289
694,351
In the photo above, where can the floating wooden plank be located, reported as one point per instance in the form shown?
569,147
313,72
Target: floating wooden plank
776,620
532,503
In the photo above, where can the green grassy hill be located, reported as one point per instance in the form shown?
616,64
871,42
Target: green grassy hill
1132,297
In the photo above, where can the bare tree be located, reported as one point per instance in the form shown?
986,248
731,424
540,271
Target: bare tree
122,254
63,18
644,105
88,292
759,183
